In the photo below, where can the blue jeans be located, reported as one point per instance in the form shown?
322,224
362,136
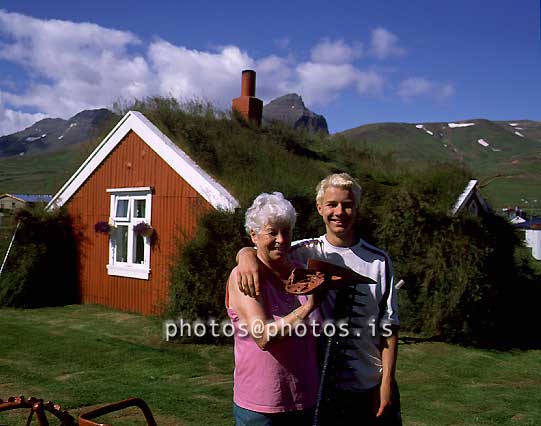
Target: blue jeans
244,417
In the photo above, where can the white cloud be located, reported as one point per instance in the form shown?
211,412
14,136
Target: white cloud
320,83
385,44
370,83
335,52
12,121
274,76
445,91
187,73
416,87
72,66
68,67
412,87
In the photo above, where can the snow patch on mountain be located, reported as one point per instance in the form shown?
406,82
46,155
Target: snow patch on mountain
454,125
483,142
422,127
35,138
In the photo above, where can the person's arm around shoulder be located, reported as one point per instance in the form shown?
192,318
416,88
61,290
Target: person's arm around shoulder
246,274
247,270
259,325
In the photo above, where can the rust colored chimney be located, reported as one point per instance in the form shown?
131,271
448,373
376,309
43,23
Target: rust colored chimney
247,104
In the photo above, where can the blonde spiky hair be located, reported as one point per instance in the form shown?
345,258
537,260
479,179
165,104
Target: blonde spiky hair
339,180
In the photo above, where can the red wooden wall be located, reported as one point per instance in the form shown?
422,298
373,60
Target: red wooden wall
176,207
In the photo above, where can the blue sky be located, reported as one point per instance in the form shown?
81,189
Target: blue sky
355,62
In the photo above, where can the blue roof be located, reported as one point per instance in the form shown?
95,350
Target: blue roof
533,223
33,198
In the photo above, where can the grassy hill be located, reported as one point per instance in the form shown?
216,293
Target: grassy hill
39,173
505,158
509,168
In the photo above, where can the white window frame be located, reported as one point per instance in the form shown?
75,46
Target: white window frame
130,269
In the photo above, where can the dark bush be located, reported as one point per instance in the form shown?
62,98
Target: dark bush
200,274
462,281
41,269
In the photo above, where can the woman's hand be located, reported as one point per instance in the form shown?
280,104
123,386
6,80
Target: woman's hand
247,272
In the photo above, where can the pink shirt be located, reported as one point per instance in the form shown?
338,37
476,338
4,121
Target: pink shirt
284,378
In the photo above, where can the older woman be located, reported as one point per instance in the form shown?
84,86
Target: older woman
276,375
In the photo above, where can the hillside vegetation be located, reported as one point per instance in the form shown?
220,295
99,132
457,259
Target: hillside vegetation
457,270
507,161
44,172
508,167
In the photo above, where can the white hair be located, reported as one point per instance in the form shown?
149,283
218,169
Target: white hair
342,181
269,208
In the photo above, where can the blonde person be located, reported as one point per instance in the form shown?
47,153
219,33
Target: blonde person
276,374
364,389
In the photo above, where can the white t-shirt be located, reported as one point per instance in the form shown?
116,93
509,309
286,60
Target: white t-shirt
374,307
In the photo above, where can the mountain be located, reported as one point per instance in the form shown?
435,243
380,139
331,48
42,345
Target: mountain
54,134
504,155
290,110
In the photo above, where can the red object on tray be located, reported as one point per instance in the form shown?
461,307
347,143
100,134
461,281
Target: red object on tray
322,275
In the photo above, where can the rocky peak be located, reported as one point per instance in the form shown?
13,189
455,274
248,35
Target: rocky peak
52,134
290,110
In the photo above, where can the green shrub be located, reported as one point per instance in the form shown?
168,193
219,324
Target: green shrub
457,269
462,283
41,269
200,273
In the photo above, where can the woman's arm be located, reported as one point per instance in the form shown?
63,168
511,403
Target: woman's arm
264,330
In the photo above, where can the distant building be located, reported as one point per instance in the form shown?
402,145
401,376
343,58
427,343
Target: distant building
471,201
11,202
532,230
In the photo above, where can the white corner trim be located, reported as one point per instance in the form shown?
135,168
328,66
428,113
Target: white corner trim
13,197
202,182
131,271
184,166
465,196
88,166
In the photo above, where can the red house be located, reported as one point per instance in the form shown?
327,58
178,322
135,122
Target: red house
136,174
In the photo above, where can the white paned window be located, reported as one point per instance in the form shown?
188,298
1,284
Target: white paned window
129,251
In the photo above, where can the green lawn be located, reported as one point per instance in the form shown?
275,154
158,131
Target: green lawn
81,356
